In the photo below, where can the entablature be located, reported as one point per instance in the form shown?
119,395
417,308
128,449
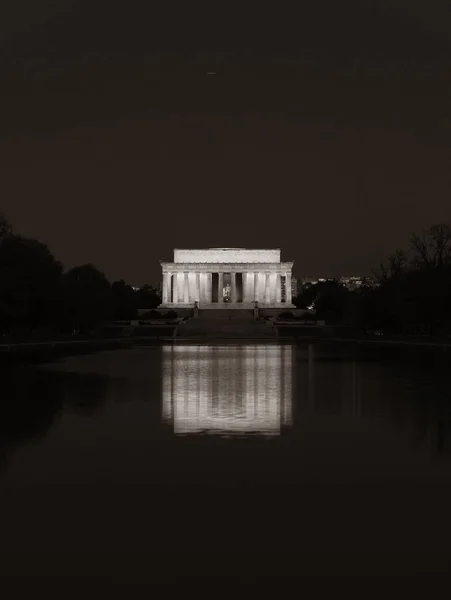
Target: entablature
281,268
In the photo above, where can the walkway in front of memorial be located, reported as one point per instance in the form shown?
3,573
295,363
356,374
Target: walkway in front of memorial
226,324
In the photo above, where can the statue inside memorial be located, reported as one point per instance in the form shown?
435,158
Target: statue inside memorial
227,293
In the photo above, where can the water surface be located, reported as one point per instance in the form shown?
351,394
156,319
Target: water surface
259,448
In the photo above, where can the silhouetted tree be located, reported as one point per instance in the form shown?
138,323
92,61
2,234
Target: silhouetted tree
86,298
330,300
29,276
5,227
307,296
414,294
432,248
148,297
125,301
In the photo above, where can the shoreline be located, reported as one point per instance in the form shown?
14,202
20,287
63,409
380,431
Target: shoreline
50,350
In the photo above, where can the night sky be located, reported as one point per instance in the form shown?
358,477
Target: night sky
325,131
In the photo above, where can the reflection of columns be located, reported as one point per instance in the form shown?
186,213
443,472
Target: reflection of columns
286,369
197,292
233,279
175,291
165,288
220,286
288,288
267,289
256,391
185,288
278,288
209,287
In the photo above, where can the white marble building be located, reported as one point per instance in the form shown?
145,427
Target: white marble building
226,278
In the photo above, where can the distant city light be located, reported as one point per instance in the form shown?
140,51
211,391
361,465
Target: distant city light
351,283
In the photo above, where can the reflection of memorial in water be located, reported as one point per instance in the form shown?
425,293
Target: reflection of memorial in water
227,389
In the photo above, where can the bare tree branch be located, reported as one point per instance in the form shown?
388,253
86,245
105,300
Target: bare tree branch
432,249
397,263
5,226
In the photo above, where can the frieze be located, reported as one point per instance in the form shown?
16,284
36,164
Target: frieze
227,267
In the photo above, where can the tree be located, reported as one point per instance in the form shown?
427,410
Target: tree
124,299
5,227
432,248
330,300
397,265
85,297
307,296
148,297
29,276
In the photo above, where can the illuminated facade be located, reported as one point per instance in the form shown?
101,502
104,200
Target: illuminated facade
226,278
227,390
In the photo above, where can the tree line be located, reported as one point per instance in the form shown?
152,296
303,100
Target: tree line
409,294
36,292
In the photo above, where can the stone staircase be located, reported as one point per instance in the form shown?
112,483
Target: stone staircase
225,324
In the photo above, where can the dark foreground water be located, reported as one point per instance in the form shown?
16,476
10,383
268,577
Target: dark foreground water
295,459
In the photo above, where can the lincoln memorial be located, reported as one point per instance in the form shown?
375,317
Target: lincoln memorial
226,278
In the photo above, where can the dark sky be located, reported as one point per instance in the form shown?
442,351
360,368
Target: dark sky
325,132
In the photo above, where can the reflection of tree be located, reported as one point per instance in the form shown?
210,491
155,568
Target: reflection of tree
31,401
84,393
408,393
411,396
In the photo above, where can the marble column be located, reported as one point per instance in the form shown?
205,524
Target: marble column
180,286
220,286
197,292
185,288
209,287
288,288
255,286
245,287
267,289
278,289
165,288
175,294
233,278
169,288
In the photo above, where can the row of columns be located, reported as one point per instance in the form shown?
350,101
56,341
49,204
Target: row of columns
186,291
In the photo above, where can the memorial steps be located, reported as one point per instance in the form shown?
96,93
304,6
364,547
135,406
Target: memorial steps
225,324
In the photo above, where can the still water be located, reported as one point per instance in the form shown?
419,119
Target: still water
266,448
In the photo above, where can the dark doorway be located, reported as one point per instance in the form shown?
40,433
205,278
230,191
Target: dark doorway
214,287
239,287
